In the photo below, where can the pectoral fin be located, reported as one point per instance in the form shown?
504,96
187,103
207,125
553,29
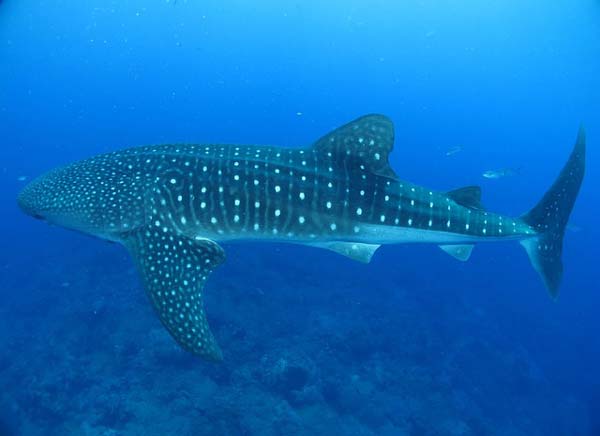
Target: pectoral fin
174,269
354,250
460,252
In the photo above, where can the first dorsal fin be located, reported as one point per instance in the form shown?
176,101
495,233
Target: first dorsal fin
469,196
365,141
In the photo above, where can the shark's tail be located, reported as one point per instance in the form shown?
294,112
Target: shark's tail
549,218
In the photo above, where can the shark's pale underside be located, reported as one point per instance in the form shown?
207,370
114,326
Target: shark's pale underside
171,204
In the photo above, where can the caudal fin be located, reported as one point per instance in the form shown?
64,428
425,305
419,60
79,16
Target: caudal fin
550,216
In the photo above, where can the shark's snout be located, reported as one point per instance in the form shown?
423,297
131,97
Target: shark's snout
24,202
28,203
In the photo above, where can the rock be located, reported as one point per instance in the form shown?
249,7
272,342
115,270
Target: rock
290,374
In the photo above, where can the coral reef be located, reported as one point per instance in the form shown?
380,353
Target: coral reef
340,355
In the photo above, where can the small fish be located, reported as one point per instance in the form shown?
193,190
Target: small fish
500,173
454,150
21,178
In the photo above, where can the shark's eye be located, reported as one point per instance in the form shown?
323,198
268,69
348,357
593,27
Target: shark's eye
38,217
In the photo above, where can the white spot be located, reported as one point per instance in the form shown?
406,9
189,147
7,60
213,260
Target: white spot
213,220
173,181
257,204
301,219
410,221
377,156
430,223
333,226
302,196
356,229
277,212
467,226
359,211
183,220
277,188
382,218
236,218
448,223
328,205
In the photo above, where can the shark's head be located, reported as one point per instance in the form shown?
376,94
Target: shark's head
89,196
58,197
30,201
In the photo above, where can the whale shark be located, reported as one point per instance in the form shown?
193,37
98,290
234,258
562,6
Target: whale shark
172,205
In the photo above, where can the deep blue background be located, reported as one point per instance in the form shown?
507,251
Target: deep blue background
508,81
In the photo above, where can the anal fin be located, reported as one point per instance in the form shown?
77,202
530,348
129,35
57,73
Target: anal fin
353,250
174,269
460,252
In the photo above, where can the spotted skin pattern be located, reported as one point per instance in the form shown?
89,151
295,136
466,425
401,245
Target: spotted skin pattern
175,269
168,204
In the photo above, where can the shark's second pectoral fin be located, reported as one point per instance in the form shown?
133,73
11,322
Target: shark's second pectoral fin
460,252
174,269
354,250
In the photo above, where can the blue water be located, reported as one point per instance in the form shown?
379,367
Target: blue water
414,343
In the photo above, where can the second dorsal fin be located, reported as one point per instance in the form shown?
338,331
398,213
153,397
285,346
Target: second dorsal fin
469,196
366,141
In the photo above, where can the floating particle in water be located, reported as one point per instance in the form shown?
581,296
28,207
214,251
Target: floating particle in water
454,150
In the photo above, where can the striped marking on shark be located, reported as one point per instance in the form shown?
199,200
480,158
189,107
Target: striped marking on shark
170,205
